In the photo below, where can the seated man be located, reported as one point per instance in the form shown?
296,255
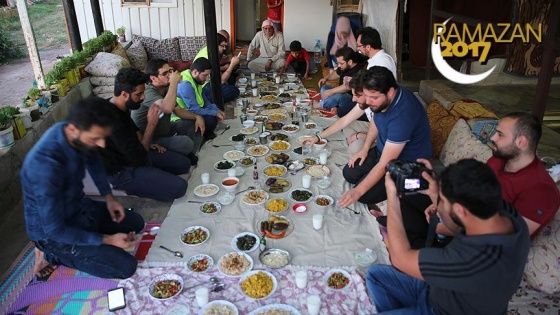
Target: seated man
402,131
338,99
369,45
229,90
299,60
190,96
477,272
271,46
183,135
68,228
134,164
525,182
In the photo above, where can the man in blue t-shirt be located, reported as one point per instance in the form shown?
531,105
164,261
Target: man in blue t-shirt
402,130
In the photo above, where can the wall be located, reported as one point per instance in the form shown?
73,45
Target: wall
245,21
306,21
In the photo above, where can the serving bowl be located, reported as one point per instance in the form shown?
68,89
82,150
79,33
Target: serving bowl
230,183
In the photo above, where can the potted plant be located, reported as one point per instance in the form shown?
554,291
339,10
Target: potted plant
6,129
121,34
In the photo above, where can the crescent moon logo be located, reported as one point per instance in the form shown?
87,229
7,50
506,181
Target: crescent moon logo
451,74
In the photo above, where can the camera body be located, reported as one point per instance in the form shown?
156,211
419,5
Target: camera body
407,175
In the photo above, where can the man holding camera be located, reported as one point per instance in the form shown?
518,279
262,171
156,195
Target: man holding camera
402,129
477,272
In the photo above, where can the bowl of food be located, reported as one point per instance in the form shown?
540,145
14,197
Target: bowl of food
255,197
337,279
299,208
206,190
258,284
230,183
210,207
233,155
275,171
300,195
260,118
245,242
276,185
318,170
249,123
247,161
200,263
309,125
226,198
280,136
242,80
320,145
235,264
251,141
258,150
277,158
242,90
323,182
277,205
310,161
223,165
295,165
290,128
275,258
165,286
251,113
237,138
195,235
218,307
276,226
323,201
279,145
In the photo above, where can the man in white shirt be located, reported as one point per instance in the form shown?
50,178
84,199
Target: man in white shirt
272,51
369,44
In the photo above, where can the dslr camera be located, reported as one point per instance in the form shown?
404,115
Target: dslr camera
408,176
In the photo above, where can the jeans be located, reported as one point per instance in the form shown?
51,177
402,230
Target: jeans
354,175
211,122
180,144
104,261
394,292
229,92
185,127
341,100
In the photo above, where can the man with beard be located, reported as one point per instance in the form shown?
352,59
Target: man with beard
134,164
272,50
68,228
369,44
401,128
477,272
190,95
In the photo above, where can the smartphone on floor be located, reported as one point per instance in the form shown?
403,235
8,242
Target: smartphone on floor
116,299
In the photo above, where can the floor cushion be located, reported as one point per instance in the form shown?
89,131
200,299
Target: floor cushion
106,65
462,144
137,55
441,124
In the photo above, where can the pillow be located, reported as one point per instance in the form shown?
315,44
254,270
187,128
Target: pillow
441,123
106,65
166,49
180,65
102,80
462,144
119,51
190,46
470,109
103,89
137,55
542,271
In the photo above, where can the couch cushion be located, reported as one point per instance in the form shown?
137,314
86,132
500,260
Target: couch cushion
106,65
103,89
441,123
119,51
137,55
95,80
468,109
190,46
180,65
543,270
462,144
166,49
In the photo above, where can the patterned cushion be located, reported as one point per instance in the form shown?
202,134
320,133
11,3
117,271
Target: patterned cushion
470,109
137,55
180,65
166,49
543,263
441,123
119,51
462,144
102,80
190,46
104,89
106,65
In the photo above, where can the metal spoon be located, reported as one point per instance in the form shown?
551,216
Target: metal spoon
244,190
294,172
225,129
218,287
355,211
215,281
176,253
221,145
192,201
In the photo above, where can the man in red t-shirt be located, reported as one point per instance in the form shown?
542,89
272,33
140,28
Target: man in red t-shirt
299,58
275,13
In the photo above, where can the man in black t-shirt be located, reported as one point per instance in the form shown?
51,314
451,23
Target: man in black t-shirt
339,99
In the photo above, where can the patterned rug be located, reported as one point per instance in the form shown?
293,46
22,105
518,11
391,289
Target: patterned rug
65,291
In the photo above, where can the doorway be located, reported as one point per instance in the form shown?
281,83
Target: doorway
247,16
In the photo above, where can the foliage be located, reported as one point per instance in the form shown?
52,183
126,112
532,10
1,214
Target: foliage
121,30
6,115
7,49
34,93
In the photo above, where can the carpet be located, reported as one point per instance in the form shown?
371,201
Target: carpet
65,291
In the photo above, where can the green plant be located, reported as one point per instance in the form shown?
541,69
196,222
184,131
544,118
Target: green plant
7,49
6,115
121,30
34,93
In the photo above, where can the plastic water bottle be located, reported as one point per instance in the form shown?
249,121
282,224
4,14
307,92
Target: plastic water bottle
317,51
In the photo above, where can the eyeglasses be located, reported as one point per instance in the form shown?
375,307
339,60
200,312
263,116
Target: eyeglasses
165,73
223,45
358,46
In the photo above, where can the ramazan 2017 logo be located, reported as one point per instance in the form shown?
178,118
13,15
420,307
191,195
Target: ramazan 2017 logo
456,41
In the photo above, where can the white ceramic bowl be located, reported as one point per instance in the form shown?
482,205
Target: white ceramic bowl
251,113
230,188
320,145
329,198
331,272
248,123
242,80
242,90
200,257
165,277
254,272
192,228
281,167
210,206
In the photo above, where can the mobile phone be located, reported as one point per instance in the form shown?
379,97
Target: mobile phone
116,299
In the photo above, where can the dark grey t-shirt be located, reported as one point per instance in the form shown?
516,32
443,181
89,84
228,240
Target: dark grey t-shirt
477,274
139,116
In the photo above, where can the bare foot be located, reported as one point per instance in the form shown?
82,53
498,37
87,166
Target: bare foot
42,268
316,104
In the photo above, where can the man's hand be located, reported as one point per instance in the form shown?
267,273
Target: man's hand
199,124
390,186
153,114
116,210
268,65
346,80
158,148
220,115
309,139
433,186
234,61
326,94
349,198
322,81
121,240
353,137
362,155
175,78
432,209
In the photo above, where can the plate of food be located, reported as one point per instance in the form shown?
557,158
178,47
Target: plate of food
279,145
275,170
273,106
283,309
221,307
300,195
310,161
276,205
254,197
258,150
251,141
200,263
249,130
273,125
258,284
276,226
291,128
234,155
234,264
280,136
310,125
247,161
277,158
165,286
210,207
275,258
195,235
318,170
337,279
206,190
274,111
237,138
301,138
323,201
260,118
277,116
245,242
223,165
276,185
285,97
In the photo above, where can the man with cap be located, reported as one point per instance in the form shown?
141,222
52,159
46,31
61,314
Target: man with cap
271,46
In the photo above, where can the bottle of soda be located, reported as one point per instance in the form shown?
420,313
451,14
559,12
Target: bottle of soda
255,172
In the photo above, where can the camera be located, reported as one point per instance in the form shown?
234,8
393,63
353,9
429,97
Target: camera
407,175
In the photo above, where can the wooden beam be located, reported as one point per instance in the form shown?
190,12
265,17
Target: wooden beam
30,43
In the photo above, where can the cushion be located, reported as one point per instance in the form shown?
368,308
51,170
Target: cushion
543,270
103,89
95,80
180,65
470,109
166,49
190,46
119,51
137,55
462,144
106,65
441,123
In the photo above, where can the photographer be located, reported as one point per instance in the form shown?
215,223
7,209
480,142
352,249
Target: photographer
477,272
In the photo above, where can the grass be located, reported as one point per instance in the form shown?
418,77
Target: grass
48,23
